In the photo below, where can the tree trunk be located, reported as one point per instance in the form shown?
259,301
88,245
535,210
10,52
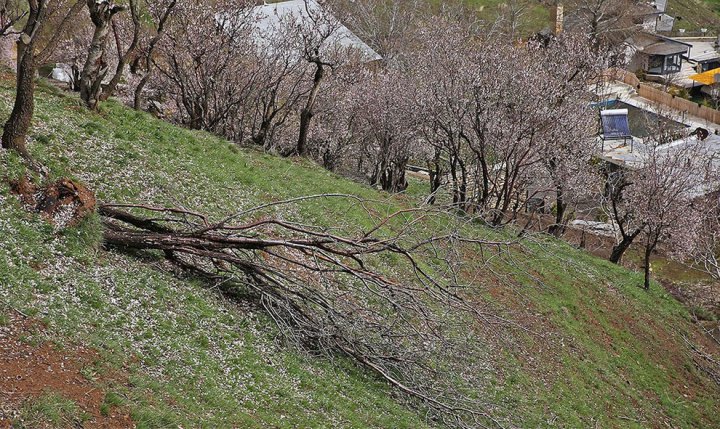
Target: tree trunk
260,137
558,229
305,118
460,191
307,112
392,178
75,84
435,179
648,252
123,59
619,249
485,195
95,68
137,99
196,120
137,102
17,126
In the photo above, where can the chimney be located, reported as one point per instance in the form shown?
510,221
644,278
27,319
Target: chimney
559,18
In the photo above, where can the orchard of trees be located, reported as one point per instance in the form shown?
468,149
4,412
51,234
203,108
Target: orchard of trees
496,120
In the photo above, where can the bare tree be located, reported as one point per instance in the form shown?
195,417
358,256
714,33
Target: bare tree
280,84
628,227
388,26
314,34
442,73
657,200
704,242
608,22
368,119
507,130
388,128
126,56
568,144
161,12
46,24
511,17
96,66
206,80
335,140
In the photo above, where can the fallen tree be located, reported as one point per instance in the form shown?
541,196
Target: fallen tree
703,357
386,297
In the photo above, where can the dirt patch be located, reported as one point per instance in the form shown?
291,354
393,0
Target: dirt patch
64,202
29,371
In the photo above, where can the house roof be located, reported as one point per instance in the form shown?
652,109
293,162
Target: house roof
706,78
661,5
706,56
665,48
653,44
647,9
269,19
703,49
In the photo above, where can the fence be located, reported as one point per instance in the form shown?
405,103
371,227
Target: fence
662,97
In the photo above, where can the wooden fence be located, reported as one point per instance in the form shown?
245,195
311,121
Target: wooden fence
662,97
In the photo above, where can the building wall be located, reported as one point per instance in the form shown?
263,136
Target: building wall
638,61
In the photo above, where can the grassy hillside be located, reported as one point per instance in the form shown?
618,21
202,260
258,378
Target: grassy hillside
535,15
696,14
596,351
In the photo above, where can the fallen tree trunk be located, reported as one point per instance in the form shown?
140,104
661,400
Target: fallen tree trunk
329,293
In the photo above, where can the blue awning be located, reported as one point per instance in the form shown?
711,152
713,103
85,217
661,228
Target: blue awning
615,124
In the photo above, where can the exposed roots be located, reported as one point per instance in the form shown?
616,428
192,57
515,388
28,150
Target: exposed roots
64,202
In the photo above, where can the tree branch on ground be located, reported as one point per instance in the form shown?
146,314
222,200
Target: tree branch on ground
332,291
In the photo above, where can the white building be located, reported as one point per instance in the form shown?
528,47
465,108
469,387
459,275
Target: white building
269,19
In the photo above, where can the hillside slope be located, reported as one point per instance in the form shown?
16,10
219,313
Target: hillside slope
692,15
595,350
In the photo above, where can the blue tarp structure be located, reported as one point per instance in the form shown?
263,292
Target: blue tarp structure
615,124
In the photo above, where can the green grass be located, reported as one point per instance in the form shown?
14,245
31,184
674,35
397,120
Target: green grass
696,14
535,17
50,410
715,5
202,361
596,351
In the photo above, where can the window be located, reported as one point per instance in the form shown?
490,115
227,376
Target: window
709,66
655,64
672,63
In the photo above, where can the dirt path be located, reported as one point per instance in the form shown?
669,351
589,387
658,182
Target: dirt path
29,371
